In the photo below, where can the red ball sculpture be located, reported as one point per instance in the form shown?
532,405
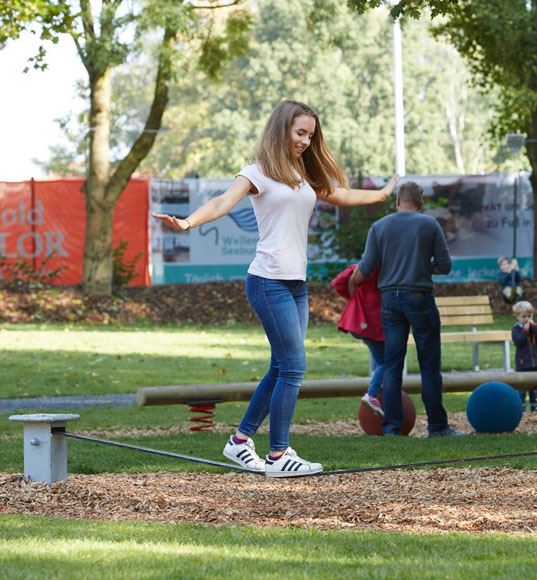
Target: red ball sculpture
370,421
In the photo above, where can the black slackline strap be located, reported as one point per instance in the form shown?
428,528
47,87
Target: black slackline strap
335,472
158,452
427,463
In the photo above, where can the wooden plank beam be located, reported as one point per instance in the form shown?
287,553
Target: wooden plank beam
353,387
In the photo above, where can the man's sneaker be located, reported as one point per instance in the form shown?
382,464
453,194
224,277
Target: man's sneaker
373,403
244,454
290,465
447,432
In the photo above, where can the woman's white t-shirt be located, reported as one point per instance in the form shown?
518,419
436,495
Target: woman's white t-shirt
283,215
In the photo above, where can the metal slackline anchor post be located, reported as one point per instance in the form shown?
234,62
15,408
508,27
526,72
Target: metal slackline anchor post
45,447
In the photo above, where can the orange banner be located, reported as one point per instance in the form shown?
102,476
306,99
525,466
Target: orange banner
43,226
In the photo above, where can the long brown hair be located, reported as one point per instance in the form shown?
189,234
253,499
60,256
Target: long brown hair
316,165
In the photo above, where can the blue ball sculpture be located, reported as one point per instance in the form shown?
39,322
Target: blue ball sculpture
494,408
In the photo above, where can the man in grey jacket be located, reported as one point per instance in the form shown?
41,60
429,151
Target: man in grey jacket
408,247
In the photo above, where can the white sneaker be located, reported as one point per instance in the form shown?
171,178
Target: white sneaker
244,454
290,465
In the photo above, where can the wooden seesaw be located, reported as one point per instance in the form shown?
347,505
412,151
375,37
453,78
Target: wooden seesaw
349,387
202,398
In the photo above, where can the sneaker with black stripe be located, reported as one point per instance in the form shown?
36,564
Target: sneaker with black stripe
290,465
244,454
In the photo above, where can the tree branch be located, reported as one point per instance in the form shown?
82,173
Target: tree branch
87,19
145,140
80,51
215,6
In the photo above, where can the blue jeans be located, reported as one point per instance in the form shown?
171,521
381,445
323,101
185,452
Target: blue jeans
282,307
402,310
376,349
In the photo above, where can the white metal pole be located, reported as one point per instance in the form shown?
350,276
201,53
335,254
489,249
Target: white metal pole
400,162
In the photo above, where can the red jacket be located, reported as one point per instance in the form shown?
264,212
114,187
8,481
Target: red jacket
361,314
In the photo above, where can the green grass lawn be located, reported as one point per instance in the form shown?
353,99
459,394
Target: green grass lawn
77,360
81,360
36,547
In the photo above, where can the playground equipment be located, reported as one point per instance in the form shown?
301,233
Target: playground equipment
45,447
320,388
494,407
371,422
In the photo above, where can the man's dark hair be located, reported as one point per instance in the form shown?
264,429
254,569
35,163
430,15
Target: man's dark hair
412,193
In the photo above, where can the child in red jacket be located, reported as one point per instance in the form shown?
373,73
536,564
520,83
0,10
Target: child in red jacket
361,318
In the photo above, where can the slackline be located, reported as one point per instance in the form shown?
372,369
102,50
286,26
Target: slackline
157,452
233,467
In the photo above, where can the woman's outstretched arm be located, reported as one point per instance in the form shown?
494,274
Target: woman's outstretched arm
215,208
347,196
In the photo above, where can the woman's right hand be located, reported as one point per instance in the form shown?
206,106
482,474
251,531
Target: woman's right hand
172,222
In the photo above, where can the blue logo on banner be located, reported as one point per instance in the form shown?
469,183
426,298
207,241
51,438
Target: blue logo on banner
245,219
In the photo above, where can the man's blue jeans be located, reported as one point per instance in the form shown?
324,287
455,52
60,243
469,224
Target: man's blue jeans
402,310
376,349
282,307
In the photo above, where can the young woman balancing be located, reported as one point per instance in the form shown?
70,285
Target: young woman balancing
293,168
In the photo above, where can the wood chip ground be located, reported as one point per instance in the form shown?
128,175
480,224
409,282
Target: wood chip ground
442,500
473,500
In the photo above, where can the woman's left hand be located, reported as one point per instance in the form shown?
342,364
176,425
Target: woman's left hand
387,190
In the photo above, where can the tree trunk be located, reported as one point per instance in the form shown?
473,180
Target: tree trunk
103,189
99,209
531,149
98,248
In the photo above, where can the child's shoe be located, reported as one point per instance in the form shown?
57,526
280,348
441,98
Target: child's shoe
373,403
290,465
244,454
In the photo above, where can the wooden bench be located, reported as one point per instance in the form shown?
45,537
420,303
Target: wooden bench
472,311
